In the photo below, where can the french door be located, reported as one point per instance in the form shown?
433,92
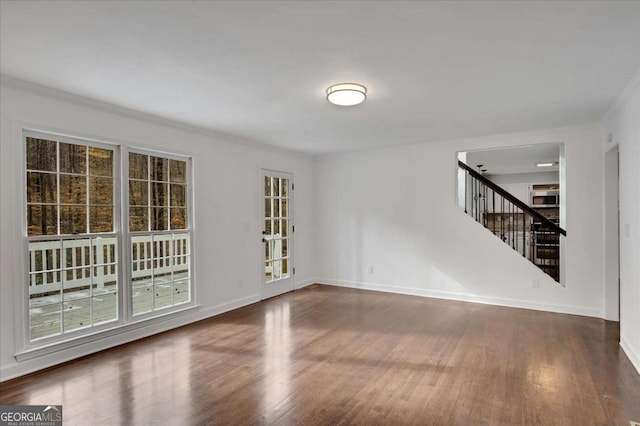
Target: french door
277,225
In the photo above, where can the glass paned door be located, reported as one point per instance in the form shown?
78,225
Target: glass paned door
276,224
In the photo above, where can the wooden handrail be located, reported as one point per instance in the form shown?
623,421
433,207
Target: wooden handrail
520,204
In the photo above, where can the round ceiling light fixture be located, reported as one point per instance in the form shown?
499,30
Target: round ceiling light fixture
346,94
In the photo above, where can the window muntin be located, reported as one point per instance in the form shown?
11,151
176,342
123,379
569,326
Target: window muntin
157,193
276,214
73,254
160,236
73,236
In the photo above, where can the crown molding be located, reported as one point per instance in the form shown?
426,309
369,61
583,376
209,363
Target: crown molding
61,95
626,92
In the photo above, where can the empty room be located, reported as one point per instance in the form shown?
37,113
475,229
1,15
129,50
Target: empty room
320,212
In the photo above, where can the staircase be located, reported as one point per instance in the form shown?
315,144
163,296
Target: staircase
520,226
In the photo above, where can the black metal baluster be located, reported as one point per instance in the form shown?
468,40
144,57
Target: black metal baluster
529,231
533,243
480,209
482,212
493,196
513,226
466,190
475,195
484,206
509,224
502,219
473,200
478,202
524,246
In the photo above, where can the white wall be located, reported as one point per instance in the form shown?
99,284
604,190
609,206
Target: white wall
611,271
395,211
226,198
623,123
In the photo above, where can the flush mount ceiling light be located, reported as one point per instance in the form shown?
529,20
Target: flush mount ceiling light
346,94
551,164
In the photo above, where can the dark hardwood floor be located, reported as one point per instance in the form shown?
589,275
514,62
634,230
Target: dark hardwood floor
326,355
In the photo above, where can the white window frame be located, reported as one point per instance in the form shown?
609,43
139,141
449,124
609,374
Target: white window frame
25,347
129,234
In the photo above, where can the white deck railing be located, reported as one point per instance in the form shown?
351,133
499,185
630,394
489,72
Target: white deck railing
274,268
84,262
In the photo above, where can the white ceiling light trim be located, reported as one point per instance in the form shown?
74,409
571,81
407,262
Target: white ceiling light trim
346,94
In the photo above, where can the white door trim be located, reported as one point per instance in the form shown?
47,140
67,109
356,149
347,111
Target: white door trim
285,285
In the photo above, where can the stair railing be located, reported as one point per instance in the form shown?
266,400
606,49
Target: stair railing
525,229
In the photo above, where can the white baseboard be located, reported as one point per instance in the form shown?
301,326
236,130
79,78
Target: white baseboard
127,335
633,356
230,306
463,297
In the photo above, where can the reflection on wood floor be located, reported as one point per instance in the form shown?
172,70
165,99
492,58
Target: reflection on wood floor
327,355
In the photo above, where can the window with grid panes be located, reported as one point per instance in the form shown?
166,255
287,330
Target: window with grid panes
160,233
72,247
74,283
276,213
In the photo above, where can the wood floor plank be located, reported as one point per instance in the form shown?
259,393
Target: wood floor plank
327,355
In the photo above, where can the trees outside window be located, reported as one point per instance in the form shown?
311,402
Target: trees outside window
75,282
160,253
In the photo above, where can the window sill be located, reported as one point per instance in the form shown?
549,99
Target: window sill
39,351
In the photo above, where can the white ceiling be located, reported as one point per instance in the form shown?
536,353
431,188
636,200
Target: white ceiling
515,160
258,70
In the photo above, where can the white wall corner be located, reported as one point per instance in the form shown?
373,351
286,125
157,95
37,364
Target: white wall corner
633,356
304,283
622,97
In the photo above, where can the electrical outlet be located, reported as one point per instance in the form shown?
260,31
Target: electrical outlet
535,283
